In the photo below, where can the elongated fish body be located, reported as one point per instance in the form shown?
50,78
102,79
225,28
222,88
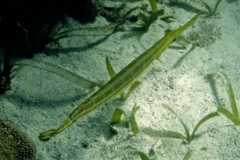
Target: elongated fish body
120,81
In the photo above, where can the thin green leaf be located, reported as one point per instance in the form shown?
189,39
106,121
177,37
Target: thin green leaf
144,18
167,19
148,20
230,93
229,115
132,120
152,18
216,6
163,134
183,124
188,155
80,81
153,5
160,12
132,88
141,154
171,134
210,10
207,7
204,119
122,97
111,72
116,117
234,117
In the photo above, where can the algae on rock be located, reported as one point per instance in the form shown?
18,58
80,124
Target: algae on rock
14,143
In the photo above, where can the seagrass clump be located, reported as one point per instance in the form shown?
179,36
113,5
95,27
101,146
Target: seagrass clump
14,143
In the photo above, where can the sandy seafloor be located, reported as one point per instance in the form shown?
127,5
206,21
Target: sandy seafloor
39,100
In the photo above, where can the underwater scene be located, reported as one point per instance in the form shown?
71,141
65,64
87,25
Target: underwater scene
120,80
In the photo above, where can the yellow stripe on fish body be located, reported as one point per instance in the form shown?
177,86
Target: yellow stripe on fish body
120,81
